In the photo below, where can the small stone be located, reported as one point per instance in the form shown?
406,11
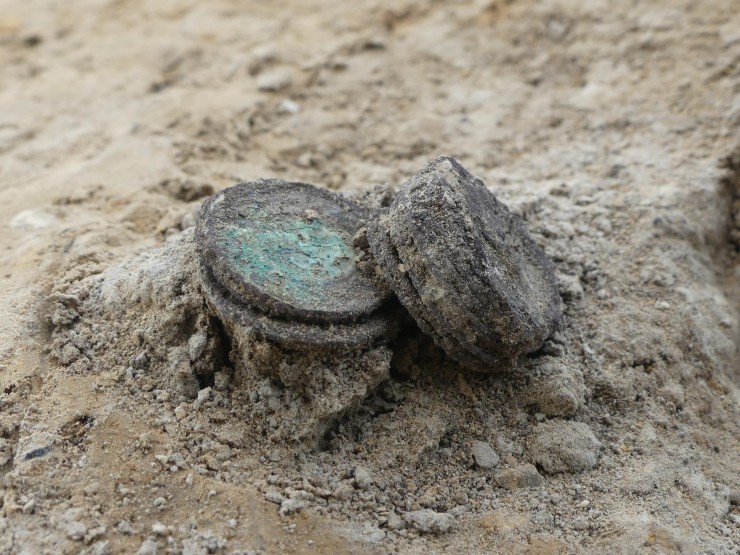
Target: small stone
162,395
221,380
274,496
29,507
159,529
290,506
124,527
100,548
160,502
69,354
484,455
288,106
148,547
564,446
343,491
555,388
76,531
181,411
363,479
140,362
395,522
178,459
203,396
197,344
522,476
429,521
274,80
95,533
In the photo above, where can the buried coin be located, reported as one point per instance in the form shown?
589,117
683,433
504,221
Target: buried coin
466,268
246,324
286,249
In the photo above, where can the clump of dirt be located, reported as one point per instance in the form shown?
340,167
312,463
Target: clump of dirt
401,455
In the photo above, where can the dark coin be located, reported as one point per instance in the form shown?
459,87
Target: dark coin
466,268
244,324
286,249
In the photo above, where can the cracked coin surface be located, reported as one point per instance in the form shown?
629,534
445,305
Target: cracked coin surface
465,267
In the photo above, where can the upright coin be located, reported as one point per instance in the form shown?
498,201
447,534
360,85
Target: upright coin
286,249
466,268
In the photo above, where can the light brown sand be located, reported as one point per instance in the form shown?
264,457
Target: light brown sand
602,123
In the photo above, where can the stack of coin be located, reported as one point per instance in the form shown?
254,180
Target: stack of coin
466,268
278,266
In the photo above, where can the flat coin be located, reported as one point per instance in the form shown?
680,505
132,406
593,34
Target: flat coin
240,319
471,272
286,248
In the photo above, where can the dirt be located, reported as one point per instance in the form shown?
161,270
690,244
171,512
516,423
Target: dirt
612,130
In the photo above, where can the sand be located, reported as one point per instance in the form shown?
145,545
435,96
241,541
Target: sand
612,129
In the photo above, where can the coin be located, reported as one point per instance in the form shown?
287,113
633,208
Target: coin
466,268
285,248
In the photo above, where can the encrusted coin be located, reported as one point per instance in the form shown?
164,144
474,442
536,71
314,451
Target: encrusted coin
284,267
286,249
465,267
246,324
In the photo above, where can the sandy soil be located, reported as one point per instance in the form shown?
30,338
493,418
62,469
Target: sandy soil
610,127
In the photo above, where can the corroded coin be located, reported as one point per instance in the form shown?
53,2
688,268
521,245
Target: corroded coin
286,249
466,268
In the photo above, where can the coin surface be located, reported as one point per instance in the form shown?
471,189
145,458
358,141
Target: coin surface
465,267
241,319
286,248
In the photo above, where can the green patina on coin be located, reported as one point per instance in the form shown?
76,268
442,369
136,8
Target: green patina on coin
293,261
286,249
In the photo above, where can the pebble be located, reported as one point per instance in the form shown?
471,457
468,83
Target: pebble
363,479
100,548
484,455
124,527
159,529
274,496
140,362
203,396
564,446
197,344
429,521
343,491
290,506
395,522
148,547
181,412
522,476
76,531
274,80
29,507
288,106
